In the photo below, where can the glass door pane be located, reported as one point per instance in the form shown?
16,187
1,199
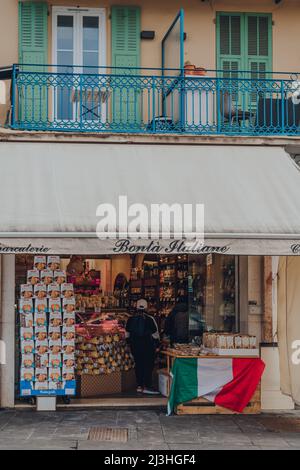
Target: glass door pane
65,62
91,99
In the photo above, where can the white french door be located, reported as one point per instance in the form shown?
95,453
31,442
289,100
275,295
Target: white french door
79,46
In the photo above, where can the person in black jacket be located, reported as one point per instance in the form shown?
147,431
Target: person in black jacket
177,324
143,337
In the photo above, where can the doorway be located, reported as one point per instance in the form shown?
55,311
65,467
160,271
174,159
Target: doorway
79,46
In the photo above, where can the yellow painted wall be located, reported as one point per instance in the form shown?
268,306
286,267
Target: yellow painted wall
157,15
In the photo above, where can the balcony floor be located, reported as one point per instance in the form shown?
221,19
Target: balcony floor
9,135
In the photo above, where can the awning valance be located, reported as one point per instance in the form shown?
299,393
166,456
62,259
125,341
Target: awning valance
49,194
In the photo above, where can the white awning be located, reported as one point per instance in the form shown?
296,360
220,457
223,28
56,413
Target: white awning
49,194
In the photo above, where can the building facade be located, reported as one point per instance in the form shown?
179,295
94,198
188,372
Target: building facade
93,73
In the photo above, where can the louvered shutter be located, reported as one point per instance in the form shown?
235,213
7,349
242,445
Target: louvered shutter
33,35
33,48
258,28
126,29
230,44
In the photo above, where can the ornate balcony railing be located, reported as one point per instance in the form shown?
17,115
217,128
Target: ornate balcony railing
72,99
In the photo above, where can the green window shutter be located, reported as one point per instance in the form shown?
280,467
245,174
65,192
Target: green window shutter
244,39
126,50
259,44
33,49
229,43
126,30
33,34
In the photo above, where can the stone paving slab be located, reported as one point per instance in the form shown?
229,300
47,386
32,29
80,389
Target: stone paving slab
148,430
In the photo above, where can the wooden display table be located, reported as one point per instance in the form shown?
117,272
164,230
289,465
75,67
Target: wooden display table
202,405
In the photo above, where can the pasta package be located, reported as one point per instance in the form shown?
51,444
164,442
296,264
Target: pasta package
67,290
41,347
41,305
40,291
69,319
69,361
53,291
26,291
69,305
55,333
41,374
40,262
41,333
53,263
27,334
27,374
26,321
33,277
55,375
55,319
26,306
55,346
27,361
42,361
60,277
27,347
47,276
54,306
55,361
40,319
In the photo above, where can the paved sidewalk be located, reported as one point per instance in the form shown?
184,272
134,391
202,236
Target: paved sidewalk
148,430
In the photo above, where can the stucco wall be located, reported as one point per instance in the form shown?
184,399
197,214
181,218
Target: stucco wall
200,46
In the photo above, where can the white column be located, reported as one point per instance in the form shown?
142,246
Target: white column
7,331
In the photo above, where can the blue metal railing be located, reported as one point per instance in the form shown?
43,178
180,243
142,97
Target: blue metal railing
131,100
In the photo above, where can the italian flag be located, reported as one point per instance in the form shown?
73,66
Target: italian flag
230,383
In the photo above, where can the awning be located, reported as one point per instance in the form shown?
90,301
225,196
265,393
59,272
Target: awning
49,194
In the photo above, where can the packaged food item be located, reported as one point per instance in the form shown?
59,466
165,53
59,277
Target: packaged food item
26,306
47,276
55,375
41,333
68,374
40,319
69,319
33,277
55,346
54,291
54,306
41,375
27,361
40,291
26,320
67,290
69,305
40,262
53,263
55,319
55,361
55,333
27,334
42,361
41,305
27,374
26,291
41,347
68,347
252,342
69,361
60,276
27,347
69,333
245,342
238,344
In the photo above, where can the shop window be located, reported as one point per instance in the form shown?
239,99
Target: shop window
213,294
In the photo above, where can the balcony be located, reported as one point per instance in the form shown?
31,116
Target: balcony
134,101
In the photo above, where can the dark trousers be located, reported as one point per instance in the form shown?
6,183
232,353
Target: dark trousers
143,352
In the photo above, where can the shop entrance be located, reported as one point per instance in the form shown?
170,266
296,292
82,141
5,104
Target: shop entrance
83,343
